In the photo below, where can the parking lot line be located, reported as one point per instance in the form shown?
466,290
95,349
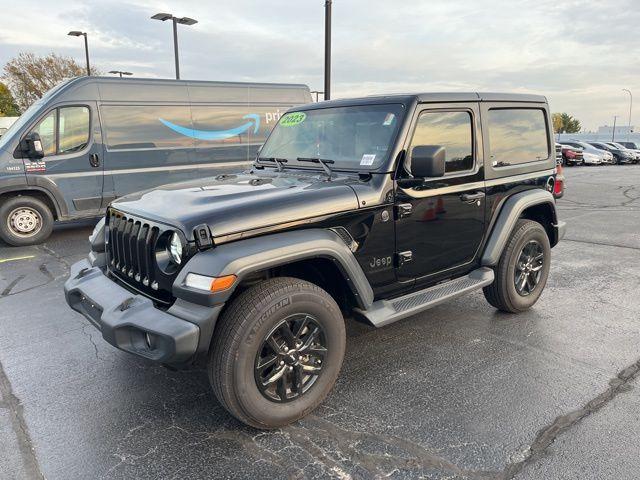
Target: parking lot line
26,257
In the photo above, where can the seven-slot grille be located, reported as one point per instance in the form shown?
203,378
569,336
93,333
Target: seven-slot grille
131,254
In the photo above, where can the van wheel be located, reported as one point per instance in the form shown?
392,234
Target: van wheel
277,352
523,269
24,221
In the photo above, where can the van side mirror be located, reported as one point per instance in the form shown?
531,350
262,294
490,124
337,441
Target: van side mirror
31,146
427,161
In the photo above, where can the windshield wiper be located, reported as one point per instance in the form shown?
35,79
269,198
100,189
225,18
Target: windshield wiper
278,161
321,161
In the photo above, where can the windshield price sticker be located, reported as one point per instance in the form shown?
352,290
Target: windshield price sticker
293,118
367,159
388,120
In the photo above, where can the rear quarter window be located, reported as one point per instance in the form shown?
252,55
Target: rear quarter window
517,136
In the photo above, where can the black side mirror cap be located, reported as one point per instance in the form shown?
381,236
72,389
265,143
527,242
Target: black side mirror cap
31,146
427,161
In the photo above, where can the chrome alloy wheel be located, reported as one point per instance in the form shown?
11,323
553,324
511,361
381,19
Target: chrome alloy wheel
528,269
291,358
24,222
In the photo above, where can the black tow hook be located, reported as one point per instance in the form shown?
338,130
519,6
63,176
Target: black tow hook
126,305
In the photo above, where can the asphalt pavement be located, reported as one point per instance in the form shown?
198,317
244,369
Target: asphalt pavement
460,391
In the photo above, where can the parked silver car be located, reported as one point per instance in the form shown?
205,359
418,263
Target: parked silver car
591,154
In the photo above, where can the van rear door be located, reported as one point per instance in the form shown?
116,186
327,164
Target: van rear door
72,165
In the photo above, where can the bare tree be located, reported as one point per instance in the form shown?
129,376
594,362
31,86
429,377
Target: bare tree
29,77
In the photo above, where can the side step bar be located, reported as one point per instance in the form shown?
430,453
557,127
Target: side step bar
384,312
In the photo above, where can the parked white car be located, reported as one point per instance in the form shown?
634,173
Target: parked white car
589,158
589,152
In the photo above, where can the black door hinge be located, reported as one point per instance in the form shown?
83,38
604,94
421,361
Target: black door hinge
403,210
203,236
403,257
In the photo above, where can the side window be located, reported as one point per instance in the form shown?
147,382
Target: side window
517,135
73,129
453,131
46,128
144,127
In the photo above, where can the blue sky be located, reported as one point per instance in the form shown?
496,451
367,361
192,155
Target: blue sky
580,54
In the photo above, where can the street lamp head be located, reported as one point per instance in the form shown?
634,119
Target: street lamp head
186,21
76,33
162,16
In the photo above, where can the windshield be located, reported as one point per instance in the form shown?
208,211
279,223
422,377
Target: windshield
19,123
28,114
357,137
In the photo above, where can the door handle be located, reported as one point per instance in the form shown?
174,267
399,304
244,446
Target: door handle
472,197
94,160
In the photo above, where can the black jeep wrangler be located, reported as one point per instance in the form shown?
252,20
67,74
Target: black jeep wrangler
375,208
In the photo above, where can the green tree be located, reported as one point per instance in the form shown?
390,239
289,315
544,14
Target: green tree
565,123
8,107
29,77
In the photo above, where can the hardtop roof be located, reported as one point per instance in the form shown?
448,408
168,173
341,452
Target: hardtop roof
431,97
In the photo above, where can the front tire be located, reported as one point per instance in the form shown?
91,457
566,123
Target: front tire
277,352
523,269
25,220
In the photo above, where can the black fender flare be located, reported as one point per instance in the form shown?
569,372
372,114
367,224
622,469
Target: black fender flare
243,257
46,186
507,217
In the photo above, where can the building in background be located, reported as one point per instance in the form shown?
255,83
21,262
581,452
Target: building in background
604,133
5,123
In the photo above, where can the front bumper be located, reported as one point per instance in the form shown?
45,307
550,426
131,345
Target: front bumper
132,323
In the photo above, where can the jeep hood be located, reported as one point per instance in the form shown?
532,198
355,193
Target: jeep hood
231,204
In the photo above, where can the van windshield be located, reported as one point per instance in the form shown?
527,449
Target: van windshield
356,137
19,123
28,114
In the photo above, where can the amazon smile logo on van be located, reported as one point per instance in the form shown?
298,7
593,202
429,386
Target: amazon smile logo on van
254,121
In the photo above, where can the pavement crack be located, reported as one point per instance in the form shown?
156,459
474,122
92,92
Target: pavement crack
347,443
11,286
562,423
604,244
56,255
95,346
19,426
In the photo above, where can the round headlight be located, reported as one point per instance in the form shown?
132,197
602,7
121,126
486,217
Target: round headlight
175,248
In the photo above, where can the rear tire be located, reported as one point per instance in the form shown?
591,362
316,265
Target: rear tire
25,220
252,333
523,269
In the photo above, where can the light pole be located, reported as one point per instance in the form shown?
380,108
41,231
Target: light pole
175,20
327,49
630,107
76,33
121,73
613,135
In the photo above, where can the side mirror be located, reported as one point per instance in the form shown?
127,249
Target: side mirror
31,146
427,161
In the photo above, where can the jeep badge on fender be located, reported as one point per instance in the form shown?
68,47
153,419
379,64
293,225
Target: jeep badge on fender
250,274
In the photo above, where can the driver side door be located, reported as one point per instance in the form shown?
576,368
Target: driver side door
72,162
440,223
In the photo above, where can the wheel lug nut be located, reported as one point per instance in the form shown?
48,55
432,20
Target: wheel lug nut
286,349
281,362
290,368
